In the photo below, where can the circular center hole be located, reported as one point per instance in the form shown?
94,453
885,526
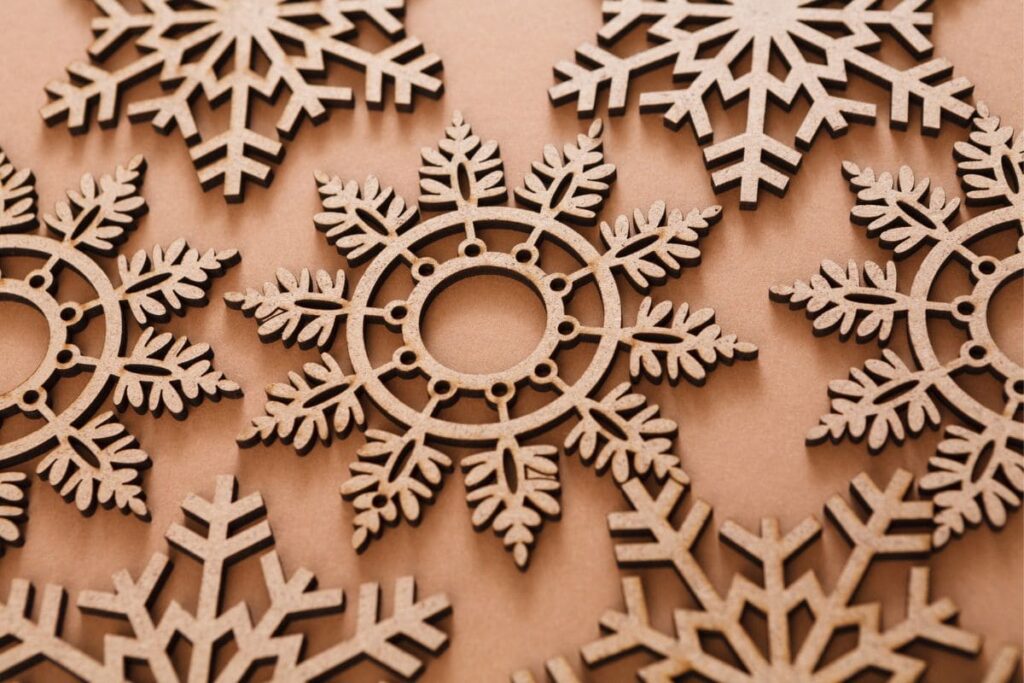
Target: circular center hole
483,324
1006,319
24,337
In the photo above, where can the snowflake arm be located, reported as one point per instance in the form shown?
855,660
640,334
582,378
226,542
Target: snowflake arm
188,47
682,30
17,197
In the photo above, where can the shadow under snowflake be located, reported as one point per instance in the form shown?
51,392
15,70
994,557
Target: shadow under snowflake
512,485
89,457
212,49
790,655
231,530
979,469
794,48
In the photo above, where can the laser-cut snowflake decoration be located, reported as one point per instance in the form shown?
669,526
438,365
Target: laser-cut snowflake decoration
513,484
979,469
879,648
817,43
87,455
232,530
211,47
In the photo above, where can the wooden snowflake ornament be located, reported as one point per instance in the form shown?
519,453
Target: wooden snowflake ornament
979,469
815,43
211,48
512,483
879,648
86,454
232,530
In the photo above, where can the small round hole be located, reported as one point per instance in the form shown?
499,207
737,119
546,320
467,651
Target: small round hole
977,352
36,281
379,500
442,386
558,284
67,313
987,267
500,389
472,250
965,308
565,327
1018,387
407,357
542,370
30,397
425,269
399,312
523,255
64,356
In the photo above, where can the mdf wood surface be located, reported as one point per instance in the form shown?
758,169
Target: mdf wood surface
741,435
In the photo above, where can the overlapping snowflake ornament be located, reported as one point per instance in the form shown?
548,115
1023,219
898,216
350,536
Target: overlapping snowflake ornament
979,469
230,530
213,48
794,47
880,647
512,483
87,455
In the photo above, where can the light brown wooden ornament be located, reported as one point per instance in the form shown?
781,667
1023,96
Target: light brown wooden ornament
86,454
232,530
682,32
512,483
656,542
891,398
209,49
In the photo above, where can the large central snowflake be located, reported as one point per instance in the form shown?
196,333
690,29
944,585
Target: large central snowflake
979,468
512,482
216,47
813,44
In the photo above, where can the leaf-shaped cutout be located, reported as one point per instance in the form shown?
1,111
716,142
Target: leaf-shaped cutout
991,164
97,217
359,222
98,463
169,280
318,404
17,197
974,475
393,477
624,434
884,401
462,171
570,185
164,372
512,489
307,309
13,508
841,299
657,244
687,344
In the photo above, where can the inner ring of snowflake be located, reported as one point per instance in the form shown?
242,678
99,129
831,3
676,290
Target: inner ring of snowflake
62,357
989,274
499,388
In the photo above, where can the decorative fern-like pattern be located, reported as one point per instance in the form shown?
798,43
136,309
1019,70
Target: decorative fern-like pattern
510,472
977,473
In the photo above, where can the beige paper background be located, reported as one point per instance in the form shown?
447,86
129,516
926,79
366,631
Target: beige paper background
741,435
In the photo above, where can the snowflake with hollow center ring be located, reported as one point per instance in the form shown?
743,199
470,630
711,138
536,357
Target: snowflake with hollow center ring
795,48
88,456
211,48
979,469
512,484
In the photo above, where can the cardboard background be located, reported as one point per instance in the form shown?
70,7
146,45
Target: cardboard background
741,435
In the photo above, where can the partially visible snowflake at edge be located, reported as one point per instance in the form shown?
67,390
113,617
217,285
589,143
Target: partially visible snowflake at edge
512,476
209,47
704,41
978,472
